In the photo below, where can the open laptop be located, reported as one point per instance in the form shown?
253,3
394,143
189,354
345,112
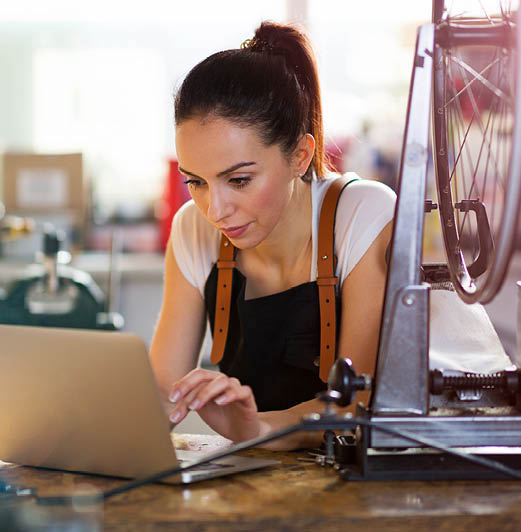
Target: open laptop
87,401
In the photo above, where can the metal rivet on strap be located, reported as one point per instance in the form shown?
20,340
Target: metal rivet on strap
316,362
324,257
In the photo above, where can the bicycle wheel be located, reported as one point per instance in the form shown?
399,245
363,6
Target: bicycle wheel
477,125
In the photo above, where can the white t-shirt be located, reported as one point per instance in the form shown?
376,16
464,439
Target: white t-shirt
364,209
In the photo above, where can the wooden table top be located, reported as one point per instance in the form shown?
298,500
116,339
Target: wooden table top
294,496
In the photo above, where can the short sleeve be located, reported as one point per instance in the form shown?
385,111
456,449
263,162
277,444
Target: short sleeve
365,207
195,244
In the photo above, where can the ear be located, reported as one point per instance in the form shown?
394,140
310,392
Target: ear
303,154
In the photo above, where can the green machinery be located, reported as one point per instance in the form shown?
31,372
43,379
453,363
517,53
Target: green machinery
56,295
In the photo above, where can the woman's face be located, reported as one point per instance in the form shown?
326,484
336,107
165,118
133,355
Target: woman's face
241,186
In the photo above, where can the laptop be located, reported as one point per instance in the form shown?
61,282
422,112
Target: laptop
87,401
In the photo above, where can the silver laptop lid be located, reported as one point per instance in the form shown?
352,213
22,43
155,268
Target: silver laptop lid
81,401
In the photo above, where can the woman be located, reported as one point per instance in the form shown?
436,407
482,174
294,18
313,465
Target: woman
249,140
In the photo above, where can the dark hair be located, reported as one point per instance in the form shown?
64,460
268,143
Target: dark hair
270,83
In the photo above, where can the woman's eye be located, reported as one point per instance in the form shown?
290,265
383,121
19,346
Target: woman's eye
239,182
194,183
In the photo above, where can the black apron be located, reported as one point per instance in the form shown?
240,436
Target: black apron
273,342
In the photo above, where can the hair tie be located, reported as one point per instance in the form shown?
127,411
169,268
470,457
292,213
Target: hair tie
260,45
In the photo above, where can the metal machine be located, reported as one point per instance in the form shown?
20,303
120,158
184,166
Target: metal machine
479,207
51,293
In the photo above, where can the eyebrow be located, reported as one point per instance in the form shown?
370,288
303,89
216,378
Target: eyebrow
224,172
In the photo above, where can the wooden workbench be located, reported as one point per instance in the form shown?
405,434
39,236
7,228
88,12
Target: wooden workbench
294,496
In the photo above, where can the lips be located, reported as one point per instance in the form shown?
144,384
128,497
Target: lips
234,232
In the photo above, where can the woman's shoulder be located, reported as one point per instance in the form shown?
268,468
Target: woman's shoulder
195,244
364,208
364,199
358,189
370,188
365,203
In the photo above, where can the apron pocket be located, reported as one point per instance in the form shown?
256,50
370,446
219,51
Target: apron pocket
302,351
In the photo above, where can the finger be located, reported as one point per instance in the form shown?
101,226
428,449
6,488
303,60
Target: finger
240,393
188,382
191,380
210,391
181,406
178,414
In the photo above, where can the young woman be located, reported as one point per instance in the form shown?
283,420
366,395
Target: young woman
250,142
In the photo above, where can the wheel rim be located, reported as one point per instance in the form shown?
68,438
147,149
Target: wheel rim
475,127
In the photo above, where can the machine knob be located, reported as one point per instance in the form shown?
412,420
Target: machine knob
52,241
344,380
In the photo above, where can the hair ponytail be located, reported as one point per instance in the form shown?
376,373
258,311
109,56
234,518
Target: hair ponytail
270,83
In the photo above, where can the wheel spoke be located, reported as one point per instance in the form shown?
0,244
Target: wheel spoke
485,175
462,143
496,178
470,83
496,90
484,139
457,125
457,121
476,167
485,12
480,123
493,112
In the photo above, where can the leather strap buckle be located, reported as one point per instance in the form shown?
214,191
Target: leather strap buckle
327,281
225,264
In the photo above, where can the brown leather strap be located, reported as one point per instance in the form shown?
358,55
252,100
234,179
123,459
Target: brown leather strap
326,280
225,266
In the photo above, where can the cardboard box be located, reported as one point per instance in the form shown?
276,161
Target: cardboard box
36,183
48,189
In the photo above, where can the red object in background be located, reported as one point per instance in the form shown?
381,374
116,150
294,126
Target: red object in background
175,193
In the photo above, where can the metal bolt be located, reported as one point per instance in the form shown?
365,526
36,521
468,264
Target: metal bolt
324,257
408,300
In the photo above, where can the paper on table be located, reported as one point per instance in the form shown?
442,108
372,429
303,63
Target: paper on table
462,337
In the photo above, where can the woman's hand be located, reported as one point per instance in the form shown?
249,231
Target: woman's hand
223,403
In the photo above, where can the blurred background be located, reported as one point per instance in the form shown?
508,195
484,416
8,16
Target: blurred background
97,78
86,121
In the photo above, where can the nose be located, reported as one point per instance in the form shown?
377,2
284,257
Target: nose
219,206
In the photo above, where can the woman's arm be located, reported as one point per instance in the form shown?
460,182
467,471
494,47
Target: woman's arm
362,306
229,407
179,332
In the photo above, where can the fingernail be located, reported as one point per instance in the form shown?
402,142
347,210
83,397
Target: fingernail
174,416
174,397
221,400
195,405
